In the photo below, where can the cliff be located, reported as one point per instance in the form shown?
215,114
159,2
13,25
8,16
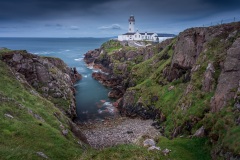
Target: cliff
37,107
49,76
190,84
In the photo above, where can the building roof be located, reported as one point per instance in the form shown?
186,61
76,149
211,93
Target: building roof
147,33
128,33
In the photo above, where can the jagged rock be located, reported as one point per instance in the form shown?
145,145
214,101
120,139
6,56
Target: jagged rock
189,46
8,115
41,154
166,152
17,57
208,80
149,143
77,132
200,132
49,76
237,105
115,93
228,79
176,131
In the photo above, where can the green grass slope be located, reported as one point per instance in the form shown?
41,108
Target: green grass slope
36,125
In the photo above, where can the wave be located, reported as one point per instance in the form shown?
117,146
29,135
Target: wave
42,53
78,59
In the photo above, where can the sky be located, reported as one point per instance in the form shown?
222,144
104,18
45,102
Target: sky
107,18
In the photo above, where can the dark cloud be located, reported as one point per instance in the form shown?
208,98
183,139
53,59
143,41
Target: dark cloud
85,16
37,9
28,10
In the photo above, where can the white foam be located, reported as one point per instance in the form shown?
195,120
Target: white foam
100,111
78,59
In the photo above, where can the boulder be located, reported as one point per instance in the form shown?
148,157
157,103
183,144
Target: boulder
166,152
200,132
8,115
65,132
152,148
41,154
149,143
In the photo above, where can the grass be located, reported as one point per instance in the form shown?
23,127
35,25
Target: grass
181,148
24,135
111,46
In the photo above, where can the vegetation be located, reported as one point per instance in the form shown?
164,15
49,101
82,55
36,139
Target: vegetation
181,148
26,133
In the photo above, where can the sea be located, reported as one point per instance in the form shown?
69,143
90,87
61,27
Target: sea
91,97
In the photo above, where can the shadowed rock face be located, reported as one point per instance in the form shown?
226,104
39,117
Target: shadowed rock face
49,76
228,81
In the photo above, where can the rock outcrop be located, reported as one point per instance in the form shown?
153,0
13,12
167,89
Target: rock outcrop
228,81
183,83
51,77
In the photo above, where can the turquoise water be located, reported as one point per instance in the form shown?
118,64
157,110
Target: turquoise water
91,97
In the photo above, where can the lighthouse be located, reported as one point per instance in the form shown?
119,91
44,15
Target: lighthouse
131,24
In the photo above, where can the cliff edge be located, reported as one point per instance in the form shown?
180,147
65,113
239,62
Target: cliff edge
189,85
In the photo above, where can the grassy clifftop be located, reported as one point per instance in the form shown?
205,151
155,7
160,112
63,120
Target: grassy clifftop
29,123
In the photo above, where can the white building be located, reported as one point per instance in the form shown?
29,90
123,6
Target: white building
137,36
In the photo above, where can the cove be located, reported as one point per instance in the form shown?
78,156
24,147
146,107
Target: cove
91,96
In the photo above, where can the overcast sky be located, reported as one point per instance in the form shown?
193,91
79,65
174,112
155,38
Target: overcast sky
105,18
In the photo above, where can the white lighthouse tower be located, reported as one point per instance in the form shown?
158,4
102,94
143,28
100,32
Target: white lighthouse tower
131,24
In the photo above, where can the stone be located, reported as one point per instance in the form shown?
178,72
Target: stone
208,80
149,143
17,57
200,132
170,88
65,132
57,95
38,117
237,105
8,115
166,152
129,132
152,148
41,154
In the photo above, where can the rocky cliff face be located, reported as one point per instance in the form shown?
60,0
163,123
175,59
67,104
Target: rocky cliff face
49,76
187,83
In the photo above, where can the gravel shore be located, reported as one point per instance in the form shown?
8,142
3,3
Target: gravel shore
116,131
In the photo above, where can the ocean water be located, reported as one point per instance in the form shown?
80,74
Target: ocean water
91,97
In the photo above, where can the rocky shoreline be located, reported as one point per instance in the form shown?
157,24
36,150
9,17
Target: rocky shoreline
120,130
187,83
